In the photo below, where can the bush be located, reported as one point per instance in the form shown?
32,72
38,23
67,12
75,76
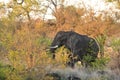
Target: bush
97,64
100,63
2,74
7,72
62,56
43,41
114,64
116,44
101,41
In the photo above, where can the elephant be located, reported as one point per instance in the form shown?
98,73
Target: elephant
79,45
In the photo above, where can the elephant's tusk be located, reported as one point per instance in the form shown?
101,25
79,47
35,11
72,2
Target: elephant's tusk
54,46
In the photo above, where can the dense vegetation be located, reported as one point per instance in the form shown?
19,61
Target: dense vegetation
24,43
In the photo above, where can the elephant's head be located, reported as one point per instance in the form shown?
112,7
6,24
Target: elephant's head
59,40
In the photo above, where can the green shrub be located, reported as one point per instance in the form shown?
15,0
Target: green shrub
44,41
2,74
97,64
115,43
17,60
100,63
7,72
101,41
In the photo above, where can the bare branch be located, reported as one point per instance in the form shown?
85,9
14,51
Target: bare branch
55,4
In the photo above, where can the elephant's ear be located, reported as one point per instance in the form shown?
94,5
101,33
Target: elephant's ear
64,38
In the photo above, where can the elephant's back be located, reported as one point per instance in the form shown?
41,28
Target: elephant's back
78,41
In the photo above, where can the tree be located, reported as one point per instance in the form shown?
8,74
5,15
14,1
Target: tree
118,1
57,7
73,15
116,12
14,40
25,8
